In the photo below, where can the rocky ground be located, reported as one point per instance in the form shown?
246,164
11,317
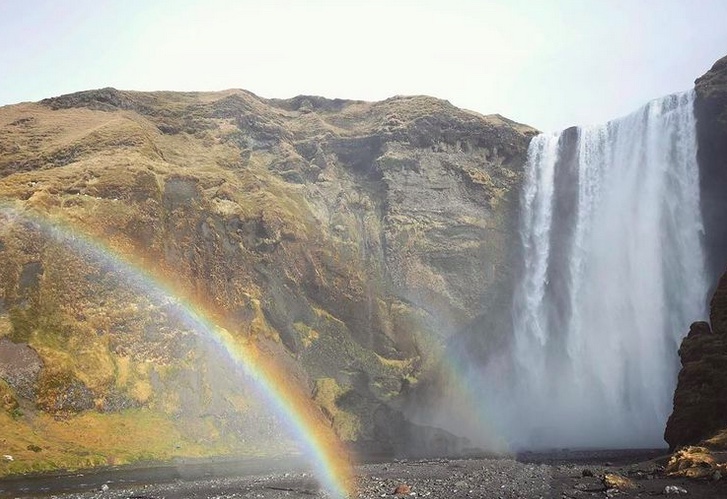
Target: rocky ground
561,475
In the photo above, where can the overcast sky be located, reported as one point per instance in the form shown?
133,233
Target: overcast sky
550,64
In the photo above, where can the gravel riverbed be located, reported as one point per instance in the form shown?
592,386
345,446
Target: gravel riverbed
555,475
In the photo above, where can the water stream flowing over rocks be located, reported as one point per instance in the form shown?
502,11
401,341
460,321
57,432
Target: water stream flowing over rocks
612,277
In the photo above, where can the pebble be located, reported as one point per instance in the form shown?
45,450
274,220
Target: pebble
402,490
447,479
673,489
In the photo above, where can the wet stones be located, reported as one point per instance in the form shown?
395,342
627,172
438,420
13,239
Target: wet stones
674,490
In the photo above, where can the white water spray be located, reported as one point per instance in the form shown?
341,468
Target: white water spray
613,276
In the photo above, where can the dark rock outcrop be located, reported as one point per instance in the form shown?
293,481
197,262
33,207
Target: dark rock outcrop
700,399
710,108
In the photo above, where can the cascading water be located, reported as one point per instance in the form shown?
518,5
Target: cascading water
612,277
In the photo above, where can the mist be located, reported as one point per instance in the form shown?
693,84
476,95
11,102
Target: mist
611,275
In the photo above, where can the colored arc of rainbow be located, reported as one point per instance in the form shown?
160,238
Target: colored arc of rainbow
330,459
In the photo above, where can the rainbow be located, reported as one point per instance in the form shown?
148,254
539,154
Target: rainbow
306,423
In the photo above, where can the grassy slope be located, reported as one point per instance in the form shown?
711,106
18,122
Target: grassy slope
104,172
183,182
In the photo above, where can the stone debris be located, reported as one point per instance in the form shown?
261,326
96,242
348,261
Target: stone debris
674,489
485,478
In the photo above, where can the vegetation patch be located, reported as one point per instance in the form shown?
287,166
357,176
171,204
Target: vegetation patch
326,394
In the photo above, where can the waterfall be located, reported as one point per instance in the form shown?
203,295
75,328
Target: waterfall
612,277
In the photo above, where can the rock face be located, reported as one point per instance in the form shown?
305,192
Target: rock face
710,107
351,238
700,399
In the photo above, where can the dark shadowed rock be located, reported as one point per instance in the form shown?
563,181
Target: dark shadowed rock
710,108
718,307
700,399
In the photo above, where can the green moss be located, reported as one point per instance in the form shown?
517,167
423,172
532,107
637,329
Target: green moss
327,392
23,324
307,334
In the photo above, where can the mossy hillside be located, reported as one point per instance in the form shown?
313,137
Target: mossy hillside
284,219
109,347
106,347
40,442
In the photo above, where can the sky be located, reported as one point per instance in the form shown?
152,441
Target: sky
550,64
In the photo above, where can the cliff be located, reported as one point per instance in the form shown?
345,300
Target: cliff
700,399
710,108
349,239
697,428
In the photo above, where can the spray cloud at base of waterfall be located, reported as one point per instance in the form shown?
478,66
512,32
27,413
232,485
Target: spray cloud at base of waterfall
612,276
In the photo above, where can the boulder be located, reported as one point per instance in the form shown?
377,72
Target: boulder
694,462
402,490
616,481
